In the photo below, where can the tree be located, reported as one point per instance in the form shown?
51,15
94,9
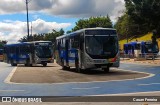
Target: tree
51,36
126,27
2,43
145,12
68,32
101,21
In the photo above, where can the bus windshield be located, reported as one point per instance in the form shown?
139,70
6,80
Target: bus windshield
101,46
44,51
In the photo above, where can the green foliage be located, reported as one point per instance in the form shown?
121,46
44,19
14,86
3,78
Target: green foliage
141,17
44,36
101,21
126,27
68,32
145,13
2,43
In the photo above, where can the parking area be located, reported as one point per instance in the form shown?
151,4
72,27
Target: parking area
53,74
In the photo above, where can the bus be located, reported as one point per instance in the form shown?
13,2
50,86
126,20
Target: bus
149,47
141,48
88,48
1,55
29,53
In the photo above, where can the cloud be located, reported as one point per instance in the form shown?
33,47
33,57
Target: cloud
12,31
65,8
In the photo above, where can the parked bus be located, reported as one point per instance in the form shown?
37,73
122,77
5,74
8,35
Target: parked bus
88,48
149,47
1,55
141,48
29,53
128,48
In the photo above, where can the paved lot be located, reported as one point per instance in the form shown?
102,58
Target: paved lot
105,88
54,74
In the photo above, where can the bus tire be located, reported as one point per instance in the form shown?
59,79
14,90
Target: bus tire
106,70
27,62
78,69
62,64
13,64
65,68
44,64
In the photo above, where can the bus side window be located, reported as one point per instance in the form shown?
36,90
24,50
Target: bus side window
59,45
62,43
75,41
12,49
17,49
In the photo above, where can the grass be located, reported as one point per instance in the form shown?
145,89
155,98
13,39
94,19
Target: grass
146,37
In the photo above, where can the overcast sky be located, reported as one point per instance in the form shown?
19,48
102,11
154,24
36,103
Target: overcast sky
46,15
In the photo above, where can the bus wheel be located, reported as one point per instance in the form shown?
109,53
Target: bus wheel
27,62
62,64
13,64
78,69
44,64
106,70
65,68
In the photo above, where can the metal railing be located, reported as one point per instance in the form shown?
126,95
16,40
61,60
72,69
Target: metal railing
146,56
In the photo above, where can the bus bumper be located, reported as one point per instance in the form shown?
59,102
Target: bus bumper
101,65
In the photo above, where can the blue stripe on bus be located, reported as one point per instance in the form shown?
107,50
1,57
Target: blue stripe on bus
73,51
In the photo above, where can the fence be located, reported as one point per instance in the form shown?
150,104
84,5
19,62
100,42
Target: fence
139,56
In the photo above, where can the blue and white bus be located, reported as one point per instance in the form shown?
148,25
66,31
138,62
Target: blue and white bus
29,53
141,48
88,48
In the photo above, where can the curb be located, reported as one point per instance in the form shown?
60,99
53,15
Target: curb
142,62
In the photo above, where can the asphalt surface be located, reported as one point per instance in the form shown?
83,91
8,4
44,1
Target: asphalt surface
83,89
103,88
54,74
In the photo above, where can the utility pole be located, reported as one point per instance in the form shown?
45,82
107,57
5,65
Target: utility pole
127,34
27,20
31,28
